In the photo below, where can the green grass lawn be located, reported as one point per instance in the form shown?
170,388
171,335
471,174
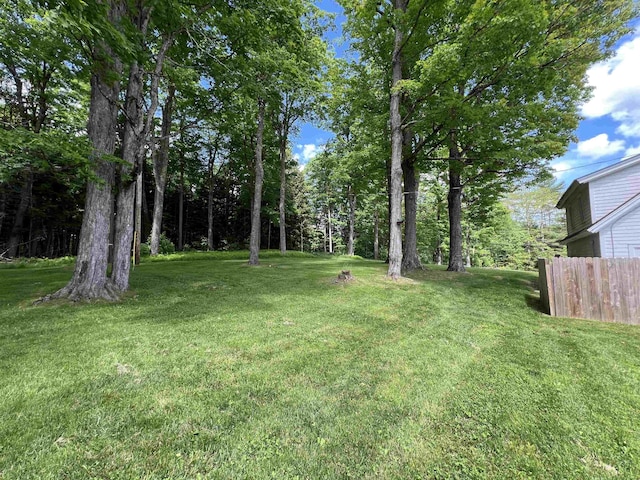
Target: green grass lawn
213,369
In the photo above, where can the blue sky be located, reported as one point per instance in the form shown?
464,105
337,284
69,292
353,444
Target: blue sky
609,131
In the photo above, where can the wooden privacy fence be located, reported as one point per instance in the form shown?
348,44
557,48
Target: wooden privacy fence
605,289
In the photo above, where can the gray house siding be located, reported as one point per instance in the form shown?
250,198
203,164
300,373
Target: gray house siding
622,239
609,192
579,210
584,247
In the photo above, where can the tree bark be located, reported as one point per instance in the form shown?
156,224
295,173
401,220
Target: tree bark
468,250
352,222
330,228
138,219
15,237
395,218
254,239
181,205
210,212
125,207
454,200
302,236
376,236
212,176
89,279
410,258
160,164
136,136
3,206
283,188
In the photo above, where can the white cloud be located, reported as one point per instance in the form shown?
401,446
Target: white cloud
632,151
599,146
306,152
562,168
617,89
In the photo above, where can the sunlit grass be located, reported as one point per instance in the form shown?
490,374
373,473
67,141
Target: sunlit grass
215,369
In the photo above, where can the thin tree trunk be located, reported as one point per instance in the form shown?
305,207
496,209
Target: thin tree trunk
212,161
3,207
388,236
181,205
15,237
330,227
210,215
254,239
454,200
324,242
283,190
376,236
161,161
138,219
410,258
302,236
395,218
352,222
89,279
468,248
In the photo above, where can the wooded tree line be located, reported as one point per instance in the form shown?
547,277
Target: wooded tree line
124,119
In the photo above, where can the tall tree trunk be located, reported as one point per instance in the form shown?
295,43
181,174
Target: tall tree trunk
3,206
160,163
212,176
376,235
324,242
137,240
254,239
181,205
136,136
330,227
410,258
395,218
283,189
123,241
15,237
352,221
468,248
302,236
437,254
388,236
454,200
89,279
210,214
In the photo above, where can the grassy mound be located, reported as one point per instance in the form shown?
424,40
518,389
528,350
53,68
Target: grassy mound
214,369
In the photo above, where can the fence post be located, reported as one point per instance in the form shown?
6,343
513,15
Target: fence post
546,289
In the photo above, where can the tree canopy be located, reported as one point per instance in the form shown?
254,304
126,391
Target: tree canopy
173,122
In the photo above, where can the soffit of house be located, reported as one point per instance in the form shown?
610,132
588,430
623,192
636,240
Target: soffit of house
575,236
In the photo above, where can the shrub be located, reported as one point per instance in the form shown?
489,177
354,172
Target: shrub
166,246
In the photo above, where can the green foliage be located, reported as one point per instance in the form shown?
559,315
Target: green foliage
215,370
166,246
145,250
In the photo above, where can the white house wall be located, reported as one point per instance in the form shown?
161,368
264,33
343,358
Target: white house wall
611,191
622,239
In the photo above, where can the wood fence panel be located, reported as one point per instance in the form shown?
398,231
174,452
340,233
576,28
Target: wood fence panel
596,288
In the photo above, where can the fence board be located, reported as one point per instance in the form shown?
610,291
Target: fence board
596,288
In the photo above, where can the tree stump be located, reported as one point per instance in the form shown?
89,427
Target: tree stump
345,276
